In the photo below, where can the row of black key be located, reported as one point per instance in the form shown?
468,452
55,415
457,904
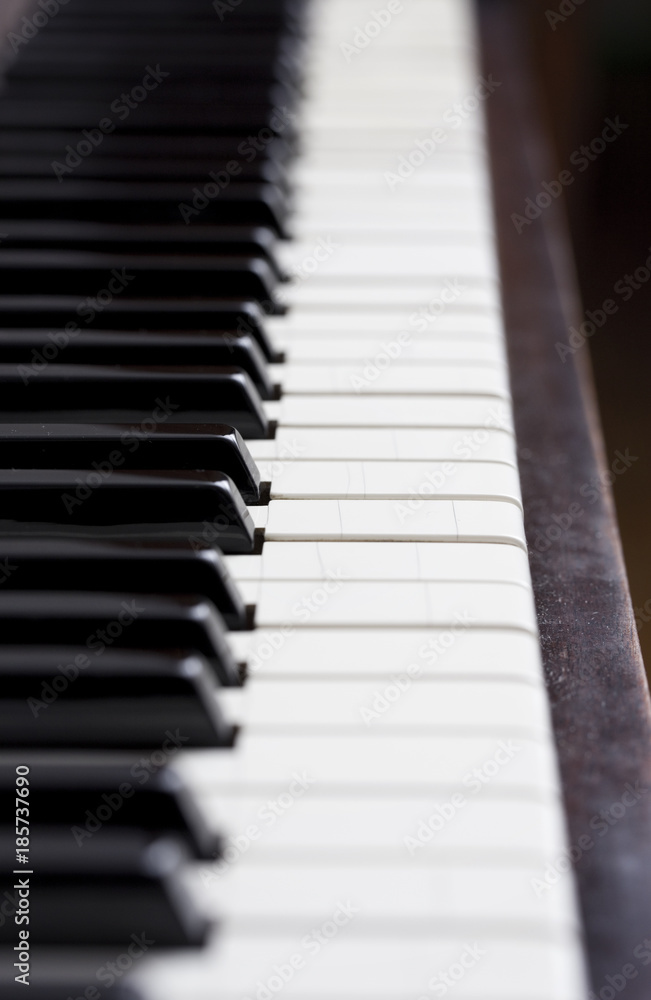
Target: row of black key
144,158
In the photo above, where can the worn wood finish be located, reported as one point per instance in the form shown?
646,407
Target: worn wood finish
594,671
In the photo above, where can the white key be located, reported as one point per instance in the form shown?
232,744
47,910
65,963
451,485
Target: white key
378,763
383,444
369,967
350,653
374,520
335,601
366,222
448,156
392,480
259,516
311,182
448,320
382,263
378,561
390,140
364,294
296,823
390,411
246,894
462,380
417,350
407,705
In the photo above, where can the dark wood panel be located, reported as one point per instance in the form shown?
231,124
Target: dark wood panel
594,671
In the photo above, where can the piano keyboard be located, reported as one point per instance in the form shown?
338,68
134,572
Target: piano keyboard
268,622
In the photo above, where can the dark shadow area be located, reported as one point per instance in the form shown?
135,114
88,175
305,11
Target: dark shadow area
594,64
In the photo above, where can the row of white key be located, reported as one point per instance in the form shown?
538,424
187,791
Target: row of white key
392,799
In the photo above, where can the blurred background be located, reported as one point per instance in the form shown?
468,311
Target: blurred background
594,63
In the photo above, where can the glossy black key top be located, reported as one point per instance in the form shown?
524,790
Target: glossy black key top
72,698
148,445
118,347
247,203
82,273
158,567
210,148
61,973
66,316
152,797
175,239
59,393
61,163
106,892
114,504
101,621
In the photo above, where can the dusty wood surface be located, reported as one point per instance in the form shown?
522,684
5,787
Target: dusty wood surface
594,671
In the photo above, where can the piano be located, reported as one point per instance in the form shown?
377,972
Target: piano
321,673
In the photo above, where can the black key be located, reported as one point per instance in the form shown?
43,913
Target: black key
63,973
64,316
116,347
247,203
107,892
198,506
101,621
58,393
178,239
82,273
75,699
145,567
141,794
195,116
150,445
132,146
248,92
249,95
